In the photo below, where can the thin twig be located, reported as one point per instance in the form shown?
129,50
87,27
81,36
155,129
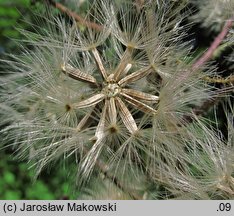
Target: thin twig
218,40
74,15
221,80
202,60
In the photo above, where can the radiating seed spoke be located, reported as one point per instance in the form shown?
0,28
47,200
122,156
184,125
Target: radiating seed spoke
90,101
100,131
126,69
112,110
124,65
135,76
77,74
126,116
141,106
140,95
91,157
84,120
99,63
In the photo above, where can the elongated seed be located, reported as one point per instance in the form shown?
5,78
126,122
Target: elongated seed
126,69
90,101
135,76
84,120
100,133
99,63
78,75
112,110
126,116
124,65
140,95
141,106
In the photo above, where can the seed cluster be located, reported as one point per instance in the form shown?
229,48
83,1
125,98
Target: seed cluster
115,92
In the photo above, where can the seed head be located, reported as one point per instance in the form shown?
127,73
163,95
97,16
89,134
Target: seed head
118,94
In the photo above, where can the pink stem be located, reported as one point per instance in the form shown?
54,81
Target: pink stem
218,40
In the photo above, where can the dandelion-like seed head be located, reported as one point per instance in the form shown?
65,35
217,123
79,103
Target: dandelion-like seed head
114,94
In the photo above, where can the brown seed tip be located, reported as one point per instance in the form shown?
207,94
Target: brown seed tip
113,129
68,107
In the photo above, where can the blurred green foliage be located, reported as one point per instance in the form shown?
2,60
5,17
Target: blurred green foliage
16,179
16,182
11,14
